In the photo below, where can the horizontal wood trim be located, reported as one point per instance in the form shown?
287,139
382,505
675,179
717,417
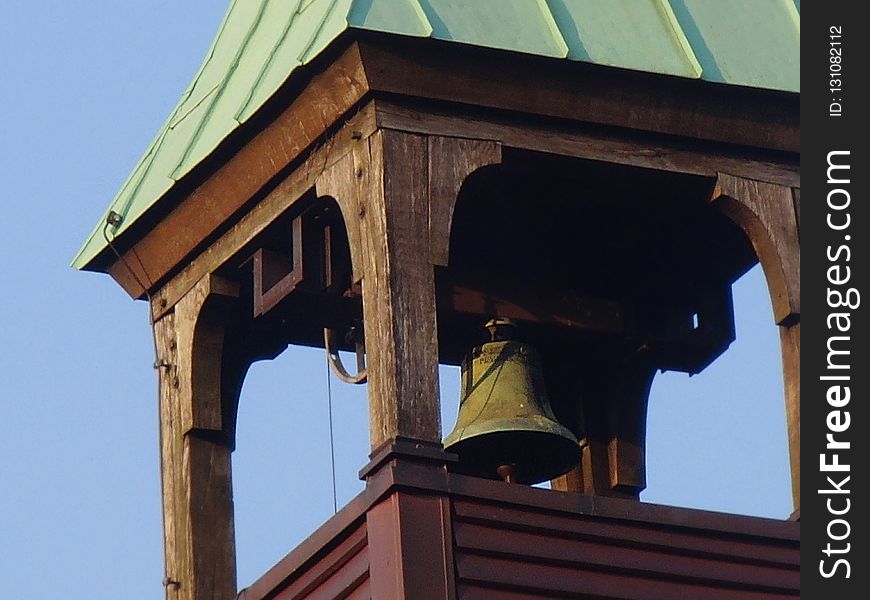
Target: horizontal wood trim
567,139
613,556
340,569
583,583
316,560
529,498
577,91
362,592
759,550
762,546
337,585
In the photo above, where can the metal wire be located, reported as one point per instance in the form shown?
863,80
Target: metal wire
331,437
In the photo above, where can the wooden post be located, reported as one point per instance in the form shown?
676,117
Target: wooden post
609,418
199,537
398,287
770,215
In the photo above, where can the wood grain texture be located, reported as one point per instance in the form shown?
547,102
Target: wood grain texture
571,90
605,404
766,213
340,181
451,160
398,288
570,139
790,339
176,550
200,321
196,475
796,193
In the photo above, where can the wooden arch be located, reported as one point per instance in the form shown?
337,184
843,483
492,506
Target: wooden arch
769,214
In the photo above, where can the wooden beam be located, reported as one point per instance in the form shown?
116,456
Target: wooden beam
199,537
571,139
564,89
398,288
604,402
790,340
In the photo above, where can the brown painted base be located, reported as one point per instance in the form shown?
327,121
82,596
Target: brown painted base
420,532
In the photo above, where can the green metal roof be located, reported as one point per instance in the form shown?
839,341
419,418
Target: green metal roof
260,43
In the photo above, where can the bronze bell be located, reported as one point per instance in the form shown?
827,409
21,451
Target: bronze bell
506,428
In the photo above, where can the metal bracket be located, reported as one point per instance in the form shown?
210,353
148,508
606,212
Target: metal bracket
335,360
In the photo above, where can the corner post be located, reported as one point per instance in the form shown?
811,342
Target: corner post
199,535
398,288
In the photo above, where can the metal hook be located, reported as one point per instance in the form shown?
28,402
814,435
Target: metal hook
335,360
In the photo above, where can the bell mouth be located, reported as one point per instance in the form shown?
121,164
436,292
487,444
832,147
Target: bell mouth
534,456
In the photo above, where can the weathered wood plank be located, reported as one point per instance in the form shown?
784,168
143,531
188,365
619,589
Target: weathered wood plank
796,193
340,181
196,475
770,216
324,100
766,213
207,481
790,339
451,160
614,146
398,288
200,337
176,557
570,90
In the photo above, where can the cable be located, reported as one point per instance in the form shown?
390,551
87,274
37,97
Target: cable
331,438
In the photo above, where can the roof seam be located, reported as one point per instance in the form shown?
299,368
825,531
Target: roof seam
553,26
303,57
269,61
421,14
683,40
197,135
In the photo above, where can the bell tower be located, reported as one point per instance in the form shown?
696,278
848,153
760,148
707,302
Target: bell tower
421,185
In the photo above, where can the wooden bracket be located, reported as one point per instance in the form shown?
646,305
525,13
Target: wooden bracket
308,264
766,213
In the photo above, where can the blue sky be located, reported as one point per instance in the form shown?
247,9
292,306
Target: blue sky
84,87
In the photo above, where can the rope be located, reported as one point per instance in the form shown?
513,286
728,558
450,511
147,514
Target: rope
331,438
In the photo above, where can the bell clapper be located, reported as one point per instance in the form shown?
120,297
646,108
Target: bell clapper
506,472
